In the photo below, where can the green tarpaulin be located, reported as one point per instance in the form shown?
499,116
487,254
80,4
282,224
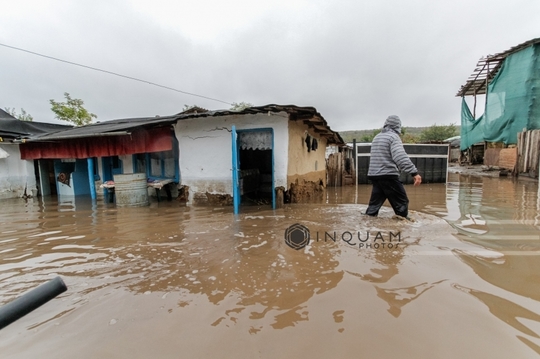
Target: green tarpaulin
511,105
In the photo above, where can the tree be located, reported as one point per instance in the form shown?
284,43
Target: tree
405,136
437,133
23,116
409,138
369,138
239,106
72,111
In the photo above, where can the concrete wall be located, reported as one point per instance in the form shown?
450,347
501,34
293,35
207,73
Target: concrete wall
206,150
17,177
304,165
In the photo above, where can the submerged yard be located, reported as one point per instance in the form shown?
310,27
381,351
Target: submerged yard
171,281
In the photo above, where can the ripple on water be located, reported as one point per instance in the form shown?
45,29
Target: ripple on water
205,273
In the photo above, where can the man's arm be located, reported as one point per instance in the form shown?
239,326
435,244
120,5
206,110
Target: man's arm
404,163
401,158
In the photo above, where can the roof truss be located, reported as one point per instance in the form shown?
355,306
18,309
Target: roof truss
487,68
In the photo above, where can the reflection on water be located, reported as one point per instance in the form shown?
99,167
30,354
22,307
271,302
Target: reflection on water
169,280
398,297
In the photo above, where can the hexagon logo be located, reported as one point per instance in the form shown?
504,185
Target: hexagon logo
297,236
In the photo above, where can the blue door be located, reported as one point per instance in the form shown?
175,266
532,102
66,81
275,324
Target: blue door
235,165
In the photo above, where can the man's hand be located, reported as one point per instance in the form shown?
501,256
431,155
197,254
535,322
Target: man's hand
417,180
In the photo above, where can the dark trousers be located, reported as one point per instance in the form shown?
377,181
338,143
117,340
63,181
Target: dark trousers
391,189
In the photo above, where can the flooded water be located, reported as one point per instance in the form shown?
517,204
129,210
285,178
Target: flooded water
170,281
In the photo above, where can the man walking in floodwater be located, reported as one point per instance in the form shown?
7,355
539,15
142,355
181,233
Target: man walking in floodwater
388,159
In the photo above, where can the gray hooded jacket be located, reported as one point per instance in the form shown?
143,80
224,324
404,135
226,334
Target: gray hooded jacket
388,157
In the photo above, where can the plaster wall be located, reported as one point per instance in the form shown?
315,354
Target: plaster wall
127,163
303,164
205,147
17,177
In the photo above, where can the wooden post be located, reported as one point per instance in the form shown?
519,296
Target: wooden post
474,105
355,161
526,160
519,152
534,153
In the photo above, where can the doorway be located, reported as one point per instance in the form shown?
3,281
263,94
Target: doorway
46,178
254,167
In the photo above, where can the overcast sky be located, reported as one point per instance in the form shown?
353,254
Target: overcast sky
355,61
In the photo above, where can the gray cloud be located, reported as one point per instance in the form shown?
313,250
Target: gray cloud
356,62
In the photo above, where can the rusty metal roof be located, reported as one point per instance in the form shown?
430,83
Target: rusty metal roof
308,115
487,68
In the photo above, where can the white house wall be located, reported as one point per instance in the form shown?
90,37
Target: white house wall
206,150
17,177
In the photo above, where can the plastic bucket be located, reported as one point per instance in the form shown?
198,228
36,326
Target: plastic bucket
130,190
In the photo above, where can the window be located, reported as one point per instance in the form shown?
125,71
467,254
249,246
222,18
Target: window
159,165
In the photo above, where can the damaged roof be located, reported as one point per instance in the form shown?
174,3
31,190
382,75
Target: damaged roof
106,128
308,115
12,128
487,68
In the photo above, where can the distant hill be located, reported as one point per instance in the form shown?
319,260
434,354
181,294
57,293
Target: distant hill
348,136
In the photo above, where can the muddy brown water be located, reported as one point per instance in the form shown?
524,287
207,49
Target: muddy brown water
170,281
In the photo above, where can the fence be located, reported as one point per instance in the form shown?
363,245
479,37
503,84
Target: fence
431,160
340,168
528,148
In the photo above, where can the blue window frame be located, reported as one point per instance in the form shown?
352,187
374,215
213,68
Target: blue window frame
159,165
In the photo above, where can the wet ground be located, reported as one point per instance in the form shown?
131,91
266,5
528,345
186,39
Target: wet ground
170,281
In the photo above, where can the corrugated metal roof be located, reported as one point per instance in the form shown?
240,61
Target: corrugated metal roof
12,128
106,128
487,68
307,115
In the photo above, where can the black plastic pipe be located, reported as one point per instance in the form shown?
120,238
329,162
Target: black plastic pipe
31,300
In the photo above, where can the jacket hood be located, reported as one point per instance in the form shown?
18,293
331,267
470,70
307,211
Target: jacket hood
393,123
